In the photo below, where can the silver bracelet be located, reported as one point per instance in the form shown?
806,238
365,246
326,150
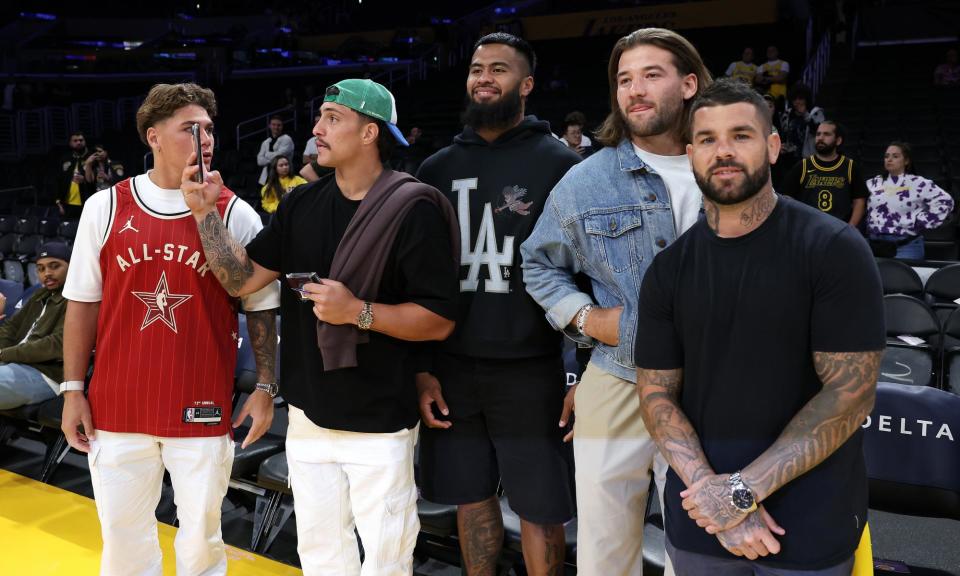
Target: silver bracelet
582,318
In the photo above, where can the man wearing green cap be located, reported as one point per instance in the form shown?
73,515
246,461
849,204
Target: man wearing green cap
384,248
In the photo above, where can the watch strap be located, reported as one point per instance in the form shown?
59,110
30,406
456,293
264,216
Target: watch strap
72,386
268,387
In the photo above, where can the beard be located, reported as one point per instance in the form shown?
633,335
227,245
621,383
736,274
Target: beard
667,117
495,115
729,194
825,149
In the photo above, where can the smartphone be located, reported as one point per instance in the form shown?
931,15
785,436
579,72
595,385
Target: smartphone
198,177
296,280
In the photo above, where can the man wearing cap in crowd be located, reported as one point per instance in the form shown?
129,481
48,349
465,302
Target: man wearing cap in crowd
31,341
384,248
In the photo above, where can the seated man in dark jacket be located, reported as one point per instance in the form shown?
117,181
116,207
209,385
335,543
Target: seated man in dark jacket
31,342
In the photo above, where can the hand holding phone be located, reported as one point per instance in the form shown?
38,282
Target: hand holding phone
296,280
196,146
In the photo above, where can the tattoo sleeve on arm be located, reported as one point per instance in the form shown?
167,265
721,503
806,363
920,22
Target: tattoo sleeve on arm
823,424
227,258
262,328
669,426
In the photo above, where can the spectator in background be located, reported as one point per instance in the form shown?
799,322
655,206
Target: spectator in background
100,171
310,150
277,144
573,135
772,74
409,158
279,182
772,109
31,342
69,196
948,73
798,126
743,70
827,180
902,205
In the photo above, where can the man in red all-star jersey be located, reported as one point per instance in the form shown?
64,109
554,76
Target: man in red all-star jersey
166,339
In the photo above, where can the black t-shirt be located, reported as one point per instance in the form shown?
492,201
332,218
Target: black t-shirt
742,317
379,395
830,187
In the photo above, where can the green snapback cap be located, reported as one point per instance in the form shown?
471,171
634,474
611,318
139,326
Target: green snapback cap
370,98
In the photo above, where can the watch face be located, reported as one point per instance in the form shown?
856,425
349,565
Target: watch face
742,498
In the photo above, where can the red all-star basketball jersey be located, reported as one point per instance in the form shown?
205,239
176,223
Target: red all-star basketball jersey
166,336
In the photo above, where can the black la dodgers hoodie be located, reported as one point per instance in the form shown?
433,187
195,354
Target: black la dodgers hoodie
498,190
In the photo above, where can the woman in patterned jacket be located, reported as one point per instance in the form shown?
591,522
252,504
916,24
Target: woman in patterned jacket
902,205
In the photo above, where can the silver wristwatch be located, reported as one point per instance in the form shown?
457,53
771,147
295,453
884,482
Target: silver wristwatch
741,496
270,388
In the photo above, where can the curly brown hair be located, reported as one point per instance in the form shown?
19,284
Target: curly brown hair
164,100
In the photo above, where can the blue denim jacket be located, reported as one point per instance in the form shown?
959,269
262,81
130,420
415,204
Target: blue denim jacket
607,218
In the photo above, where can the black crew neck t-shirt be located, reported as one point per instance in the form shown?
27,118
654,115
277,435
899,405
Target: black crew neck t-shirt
379,395
742,318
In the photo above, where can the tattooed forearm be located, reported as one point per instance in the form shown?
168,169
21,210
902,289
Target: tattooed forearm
480,528
262,328
669,426
823,424
227,258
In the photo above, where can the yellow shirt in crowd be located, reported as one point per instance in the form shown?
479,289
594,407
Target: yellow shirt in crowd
269,200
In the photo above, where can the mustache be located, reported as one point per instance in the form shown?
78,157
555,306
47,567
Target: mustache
635,101
727,164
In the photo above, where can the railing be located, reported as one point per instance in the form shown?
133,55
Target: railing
816,69
17,194
257,126
37,130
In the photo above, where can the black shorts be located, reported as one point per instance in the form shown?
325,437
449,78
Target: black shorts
505,415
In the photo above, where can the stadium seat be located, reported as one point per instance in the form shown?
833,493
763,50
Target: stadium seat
898,277
13,270
903,362
8,243
943,290
12,291
48,227
951,353
275,507
913,462
27,225
28,245
7,222
68,229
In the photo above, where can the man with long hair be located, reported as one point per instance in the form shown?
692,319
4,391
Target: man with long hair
607,219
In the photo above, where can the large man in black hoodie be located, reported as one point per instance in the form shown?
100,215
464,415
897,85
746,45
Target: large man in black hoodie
498,381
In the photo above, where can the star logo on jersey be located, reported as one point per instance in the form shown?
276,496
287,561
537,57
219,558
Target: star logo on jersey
161,303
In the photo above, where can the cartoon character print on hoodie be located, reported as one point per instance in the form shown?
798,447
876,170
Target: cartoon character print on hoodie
499,189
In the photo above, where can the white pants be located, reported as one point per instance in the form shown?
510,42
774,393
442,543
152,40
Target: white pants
614,457
343,480
127,474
